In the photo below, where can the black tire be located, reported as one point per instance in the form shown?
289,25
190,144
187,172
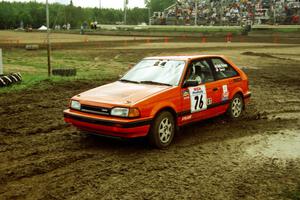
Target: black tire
17,76
2,82
7,80
236,107
13,78
162,130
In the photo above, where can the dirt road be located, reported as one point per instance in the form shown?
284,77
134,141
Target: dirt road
256,157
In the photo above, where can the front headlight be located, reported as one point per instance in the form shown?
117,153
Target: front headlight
75,105
120,112
125,112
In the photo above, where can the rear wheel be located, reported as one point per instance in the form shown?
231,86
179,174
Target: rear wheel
236,107
162,130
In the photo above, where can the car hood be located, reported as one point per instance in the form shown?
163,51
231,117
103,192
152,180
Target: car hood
120,93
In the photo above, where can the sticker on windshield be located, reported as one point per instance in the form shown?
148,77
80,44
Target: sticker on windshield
198,98
220,67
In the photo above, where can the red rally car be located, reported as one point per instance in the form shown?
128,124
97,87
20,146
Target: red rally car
160,94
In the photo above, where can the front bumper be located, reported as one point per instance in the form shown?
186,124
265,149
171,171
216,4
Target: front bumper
247,97
103,125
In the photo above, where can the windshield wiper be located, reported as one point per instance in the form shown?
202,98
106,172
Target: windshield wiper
155,83
129,81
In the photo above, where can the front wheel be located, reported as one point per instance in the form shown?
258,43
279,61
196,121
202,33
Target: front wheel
162,130
236,107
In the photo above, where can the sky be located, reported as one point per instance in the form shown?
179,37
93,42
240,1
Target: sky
95,3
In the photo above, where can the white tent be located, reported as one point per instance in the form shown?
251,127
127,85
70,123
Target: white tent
42,28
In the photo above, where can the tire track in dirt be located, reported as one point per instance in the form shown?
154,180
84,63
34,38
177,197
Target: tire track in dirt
37,166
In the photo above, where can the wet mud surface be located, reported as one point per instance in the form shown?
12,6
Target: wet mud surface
255,157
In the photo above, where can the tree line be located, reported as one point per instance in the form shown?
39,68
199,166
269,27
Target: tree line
13,14
33,14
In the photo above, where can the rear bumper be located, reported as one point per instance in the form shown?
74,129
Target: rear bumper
123,129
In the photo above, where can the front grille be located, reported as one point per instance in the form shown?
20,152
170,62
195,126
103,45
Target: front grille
95,110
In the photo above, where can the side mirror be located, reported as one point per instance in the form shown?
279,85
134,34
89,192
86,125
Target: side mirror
189,83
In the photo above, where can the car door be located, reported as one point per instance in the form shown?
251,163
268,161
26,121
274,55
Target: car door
197,100
227,79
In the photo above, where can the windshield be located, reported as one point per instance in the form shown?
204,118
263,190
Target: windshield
166,72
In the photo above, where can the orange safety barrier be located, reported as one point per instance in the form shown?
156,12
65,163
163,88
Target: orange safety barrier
166,40
228,37
275,38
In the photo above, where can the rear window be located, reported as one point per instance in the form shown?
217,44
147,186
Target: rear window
223,69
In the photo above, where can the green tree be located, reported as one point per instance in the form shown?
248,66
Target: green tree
34,14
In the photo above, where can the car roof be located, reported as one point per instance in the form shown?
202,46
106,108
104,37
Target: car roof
185,58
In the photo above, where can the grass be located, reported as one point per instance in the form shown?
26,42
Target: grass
278,28
89,63
30,81
42,81
196,29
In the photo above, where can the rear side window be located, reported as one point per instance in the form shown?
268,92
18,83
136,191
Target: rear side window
223,69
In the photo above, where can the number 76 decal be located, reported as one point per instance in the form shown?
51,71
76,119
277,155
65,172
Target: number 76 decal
198,98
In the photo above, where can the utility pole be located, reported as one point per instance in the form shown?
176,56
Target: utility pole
274,12
125,11
221,13
149,15
48,39
196,12
100,4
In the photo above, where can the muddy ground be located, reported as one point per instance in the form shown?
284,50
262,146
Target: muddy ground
256,157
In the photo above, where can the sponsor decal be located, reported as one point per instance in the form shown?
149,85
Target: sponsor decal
225,95
209,101
186,94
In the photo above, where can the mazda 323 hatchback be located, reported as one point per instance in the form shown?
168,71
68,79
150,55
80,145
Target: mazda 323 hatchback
160,94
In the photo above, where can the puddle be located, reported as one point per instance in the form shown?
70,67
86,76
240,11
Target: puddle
284,144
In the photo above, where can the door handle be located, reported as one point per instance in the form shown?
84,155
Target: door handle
215,89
